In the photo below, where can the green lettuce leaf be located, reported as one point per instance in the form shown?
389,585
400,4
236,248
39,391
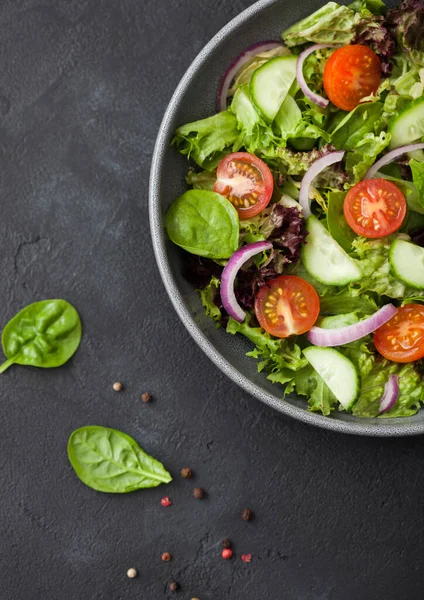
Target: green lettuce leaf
374,263
350,131
364,154
207,297
330,24
417,169
280,358
308,383
369,7
201,181
406,79
339,302
411,389
254,132
207,140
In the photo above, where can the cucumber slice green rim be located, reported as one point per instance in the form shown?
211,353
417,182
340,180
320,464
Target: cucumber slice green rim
271,83
407,263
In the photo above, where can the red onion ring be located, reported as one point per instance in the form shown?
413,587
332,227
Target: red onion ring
390,395
229,275
314,170
390,157
350,333
235,67
316,98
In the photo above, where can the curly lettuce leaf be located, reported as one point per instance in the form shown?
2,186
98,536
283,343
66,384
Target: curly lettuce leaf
407,23
254,132
374,263
411,389
406,79
280,358
207,140
208,297
350,131
330,24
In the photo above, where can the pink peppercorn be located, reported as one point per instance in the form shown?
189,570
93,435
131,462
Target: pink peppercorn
247,558
227,553
166,501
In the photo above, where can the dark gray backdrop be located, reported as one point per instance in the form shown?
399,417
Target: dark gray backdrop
83,87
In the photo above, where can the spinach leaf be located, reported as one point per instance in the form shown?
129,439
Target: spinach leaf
337,224
44,334
108,460
204,223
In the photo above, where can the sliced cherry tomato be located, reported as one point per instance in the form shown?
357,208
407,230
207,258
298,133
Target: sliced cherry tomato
402,338
374,208
286,306
246,181
351,73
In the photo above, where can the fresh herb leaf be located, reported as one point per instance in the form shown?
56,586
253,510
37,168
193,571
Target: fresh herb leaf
203,223
110,461
44,334
208,295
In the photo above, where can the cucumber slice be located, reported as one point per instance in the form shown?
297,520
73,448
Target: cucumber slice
407,263
337,371
408,127
325,259
271,83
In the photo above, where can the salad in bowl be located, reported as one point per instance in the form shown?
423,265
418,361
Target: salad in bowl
303,219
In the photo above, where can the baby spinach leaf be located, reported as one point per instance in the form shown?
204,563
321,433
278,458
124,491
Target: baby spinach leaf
108,460
203,223
44,334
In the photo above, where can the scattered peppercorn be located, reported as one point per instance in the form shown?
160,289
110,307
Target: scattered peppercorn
166,557
131,573
199,493
186,473
117,386
247,514
173,586
227,553
146,397
166,501
247,558
226,543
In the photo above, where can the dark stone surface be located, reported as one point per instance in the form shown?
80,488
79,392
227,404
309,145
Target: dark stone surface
83,88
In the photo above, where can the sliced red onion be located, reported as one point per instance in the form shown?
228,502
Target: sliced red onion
350,333
229,275
323,102
314,170
390,395
390,157
235,67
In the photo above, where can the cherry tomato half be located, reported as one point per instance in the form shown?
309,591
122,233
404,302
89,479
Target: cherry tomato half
287,305
351,73
246,181
374,208
402,338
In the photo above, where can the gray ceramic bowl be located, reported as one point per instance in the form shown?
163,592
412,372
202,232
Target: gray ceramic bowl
195,99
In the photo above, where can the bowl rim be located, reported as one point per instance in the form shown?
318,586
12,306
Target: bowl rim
380,429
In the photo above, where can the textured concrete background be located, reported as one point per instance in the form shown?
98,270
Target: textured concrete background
83,87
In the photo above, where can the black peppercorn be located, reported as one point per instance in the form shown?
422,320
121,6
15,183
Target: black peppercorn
226,543
173,586
186,473
247,514
199,493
